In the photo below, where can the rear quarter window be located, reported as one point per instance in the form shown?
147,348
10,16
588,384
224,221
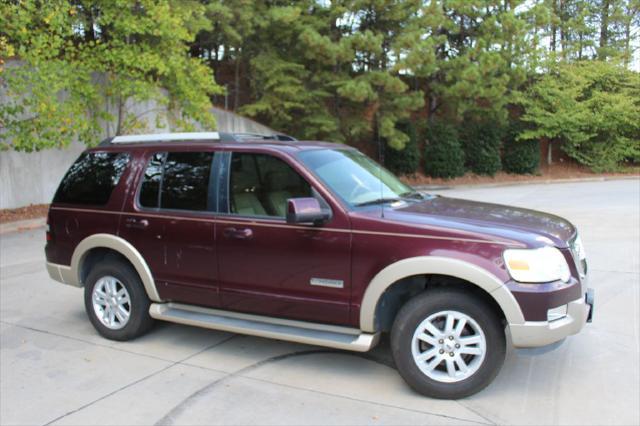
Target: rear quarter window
92,178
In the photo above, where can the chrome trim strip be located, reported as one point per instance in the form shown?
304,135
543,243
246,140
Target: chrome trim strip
324,282
274,328
166,137
287,226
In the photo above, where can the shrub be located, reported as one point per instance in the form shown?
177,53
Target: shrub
522,157
592,108
407,160
443,155
482,142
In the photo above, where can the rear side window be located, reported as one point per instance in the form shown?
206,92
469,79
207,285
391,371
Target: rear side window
178,181
92,178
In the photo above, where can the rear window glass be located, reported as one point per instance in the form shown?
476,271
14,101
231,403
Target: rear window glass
177,180
92,178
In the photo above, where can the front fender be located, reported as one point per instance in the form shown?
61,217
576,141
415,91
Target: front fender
434,265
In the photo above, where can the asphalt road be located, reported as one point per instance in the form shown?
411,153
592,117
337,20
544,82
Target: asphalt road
54,368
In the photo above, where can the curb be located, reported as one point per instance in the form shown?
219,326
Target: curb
22,225
523,182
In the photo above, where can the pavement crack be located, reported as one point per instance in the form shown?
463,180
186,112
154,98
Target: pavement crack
171,416
128,385
88,342
466,407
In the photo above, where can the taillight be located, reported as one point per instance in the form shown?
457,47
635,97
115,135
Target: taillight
48,231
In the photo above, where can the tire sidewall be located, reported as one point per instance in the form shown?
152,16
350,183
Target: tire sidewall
139,301
420,308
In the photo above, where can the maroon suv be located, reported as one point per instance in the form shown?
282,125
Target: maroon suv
311,242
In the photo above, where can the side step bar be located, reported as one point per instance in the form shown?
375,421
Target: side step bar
350,339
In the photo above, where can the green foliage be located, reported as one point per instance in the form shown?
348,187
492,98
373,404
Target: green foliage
591,108
344,70
482,142
521,157
83,63
443,156
406,160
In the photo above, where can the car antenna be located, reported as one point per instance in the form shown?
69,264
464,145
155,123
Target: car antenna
380,161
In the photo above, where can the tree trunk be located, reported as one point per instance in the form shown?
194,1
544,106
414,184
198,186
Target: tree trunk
549,153
580,45
627,39
236,82
604,30
120,116
554,27
563,29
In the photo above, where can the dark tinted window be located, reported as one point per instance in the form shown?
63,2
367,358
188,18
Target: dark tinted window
150,190
185,184
261,185
92,178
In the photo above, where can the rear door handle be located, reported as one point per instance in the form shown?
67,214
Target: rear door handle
239,234
135,223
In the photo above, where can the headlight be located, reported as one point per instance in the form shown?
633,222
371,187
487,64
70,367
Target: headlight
578,247
537,265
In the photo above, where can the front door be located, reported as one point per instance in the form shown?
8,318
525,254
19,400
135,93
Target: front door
269,267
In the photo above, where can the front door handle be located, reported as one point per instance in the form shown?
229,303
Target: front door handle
135,223
238,233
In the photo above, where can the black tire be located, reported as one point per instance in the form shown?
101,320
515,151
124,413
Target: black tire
434,301
139,321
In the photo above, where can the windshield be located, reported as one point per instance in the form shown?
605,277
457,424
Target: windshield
354,177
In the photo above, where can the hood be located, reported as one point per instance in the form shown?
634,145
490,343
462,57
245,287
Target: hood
492,219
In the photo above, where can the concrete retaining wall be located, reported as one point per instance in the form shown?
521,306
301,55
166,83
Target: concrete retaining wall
32,178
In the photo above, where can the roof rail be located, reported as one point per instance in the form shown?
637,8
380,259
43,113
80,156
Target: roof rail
166,137
195,136
253,136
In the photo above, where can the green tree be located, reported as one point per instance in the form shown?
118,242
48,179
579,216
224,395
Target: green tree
591,108
471,55
82,63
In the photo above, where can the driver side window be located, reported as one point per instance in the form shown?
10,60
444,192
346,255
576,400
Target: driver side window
261,184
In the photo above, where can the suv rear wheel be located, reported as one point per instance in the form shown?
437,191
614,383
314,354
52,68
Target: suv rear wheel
116,302
446,343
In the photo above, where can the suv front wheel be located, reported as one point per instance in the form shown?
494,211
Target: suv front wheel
446,343
116,302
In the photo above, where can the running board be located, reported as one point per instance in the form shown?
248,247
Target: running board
332,336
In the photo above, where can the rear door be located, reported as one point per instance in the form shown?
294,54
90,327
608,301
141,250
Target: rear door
269,267
171,222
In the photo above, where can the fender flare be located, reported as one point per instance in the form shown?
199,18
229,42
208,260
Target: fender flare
428,265
121,246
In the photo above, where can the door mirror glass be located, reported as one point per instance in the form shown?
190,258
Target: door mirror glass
306,210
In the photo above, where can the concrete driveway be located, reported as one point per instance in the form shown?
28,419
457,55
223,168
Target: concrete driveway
54,368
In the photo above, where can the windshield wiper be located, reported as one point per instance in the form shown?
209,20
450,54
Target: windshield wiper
412,194
377,201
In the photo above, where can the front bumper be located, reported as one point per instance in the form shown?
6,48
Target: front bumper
542,333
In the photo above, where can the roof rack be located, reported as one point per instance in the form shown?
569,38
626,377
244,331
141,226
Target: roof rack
166,137
193,136
254,136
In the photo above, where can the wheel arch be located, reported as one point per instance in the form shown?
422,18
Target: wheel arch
406,269
122,247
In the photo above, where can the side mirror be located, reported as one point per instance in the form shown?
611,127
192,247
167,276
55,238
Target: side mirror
306,210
